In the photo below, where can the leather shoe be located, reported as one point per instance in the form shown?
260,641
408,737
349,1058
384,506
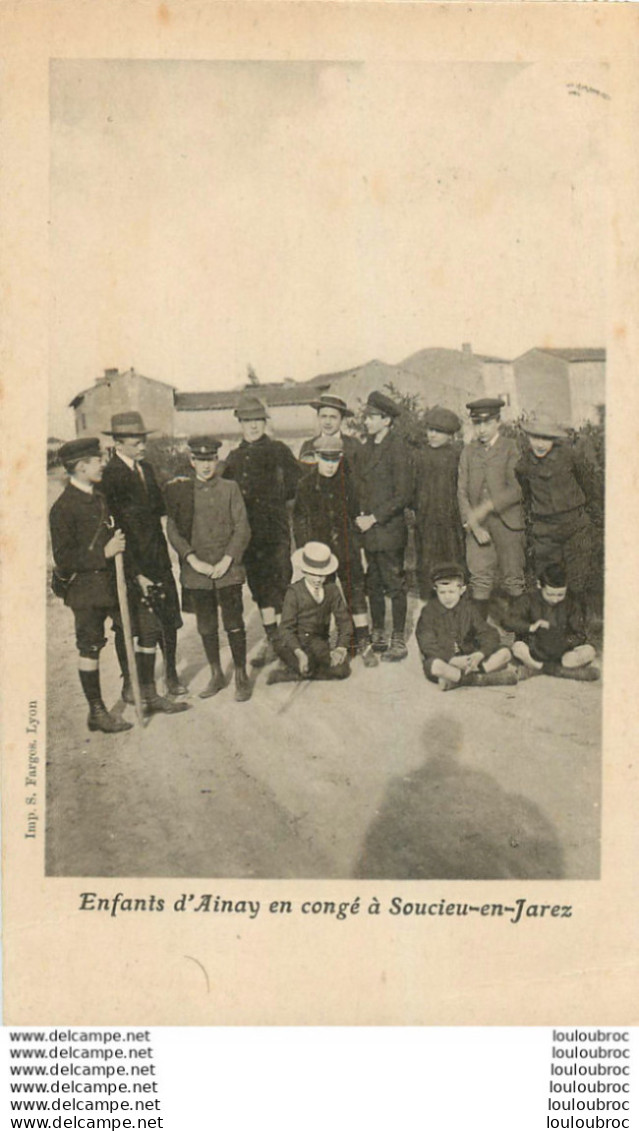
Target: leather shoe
101,719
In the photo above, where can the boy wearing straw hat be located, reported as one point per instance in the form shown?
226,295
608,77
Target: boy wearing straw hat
302,641
332,411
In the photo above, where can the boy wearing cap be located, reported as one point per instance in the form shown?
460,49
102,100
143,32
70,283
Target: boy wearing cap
84,543
458,646
137,505
267,473
438,531
332,411
302,641
208,527
324,510
384,486
550,628
490,505
557,479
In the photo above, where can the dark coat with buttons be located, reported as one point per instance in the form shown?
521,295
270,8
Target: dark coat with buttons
80,528
384,488
266,472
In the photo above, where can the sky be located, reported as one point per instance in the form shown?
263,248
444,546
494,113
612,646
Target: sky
307,217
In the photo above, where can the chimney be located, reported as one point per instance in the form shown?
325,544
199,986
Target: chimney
467,349
109,373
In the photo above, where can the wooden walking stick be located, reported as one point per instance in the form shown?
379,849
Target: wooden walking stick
123,602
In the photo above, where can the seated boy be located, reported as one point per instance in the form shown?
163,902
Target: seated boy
457,644
302,641
550,629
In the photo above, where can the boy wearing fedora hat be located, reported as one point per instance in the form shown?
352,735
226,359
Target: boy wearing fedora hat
325,510
267,473
208,527
84,543
385,490
332,411
490,504
558,482
439,534
137,505
458,646
302,641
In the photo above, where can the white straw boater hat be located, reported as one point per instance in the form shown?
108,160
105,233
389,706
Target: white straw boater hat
315,557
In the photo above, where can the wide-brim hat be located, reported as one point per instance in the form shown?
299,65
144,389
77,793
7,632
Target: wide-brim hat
442,420
251,408
315,557
379,404
545,428
127,424
486,408
326,400
447,571
202,447
86,447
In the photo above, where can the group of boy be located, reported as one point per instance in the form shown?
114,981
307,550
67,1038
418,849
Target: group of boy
342,496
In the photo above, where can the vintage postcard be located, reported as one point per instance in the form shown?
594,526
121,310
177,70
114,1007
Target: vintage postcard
320,474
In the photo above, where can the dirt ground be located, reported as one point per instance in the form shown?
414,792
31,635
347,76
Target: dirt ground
382,775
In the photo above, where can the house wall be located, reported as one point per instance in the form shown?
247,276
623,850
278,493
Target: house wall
125,393
543,386
291,423
587,390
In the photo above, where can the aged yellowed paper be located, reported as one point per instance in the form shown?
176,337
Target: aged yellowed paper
208,195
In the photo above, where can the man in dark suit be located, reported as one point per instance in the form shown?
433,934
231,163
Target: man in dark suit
136,503
266,472
384,488
84,544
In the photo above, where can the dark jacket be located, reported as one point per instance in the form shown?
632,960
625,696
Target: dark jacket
435,492
267,474
137,509
325,511
229,532
493,466
566,620
302,616
560,482
80,528
443,633
385,487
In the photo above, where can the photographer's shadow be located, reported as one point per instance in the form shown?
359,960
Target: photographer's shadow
448,821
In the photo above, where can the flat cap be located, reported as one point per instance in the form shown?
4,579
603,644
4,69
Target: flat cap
545,427
251,407
201,447
442,420
327,400
74,450
379,404
485,408
447,571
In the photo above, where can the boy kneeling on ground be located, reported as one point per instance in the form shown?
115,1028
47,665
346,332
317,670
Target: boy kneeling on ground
458,646
302,641
550,627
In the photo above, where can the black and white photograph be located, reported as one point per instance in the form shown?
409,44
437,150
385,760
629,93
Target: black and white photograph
326,468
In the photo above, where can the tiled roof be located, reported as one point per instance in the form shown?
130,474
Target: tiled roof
575,354
274,396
